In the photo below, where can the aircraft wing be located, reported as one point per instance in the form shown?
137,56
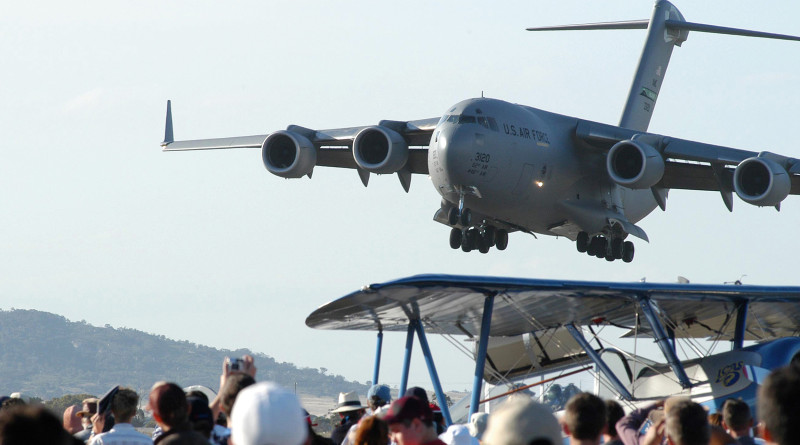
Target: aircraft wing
689,165
334,147
449,304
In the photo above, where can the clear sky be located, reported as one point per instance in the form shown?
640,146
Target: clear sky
99,225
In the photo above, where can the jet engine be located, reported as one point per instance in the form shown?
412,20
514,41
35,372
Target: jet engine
634,164
380,150
761,181
288,154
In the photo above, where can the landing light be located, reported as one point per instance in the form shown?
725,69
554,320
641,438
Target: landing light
539,184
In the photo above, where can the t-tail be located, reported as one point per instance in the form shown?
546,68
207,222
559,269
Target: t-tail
666,29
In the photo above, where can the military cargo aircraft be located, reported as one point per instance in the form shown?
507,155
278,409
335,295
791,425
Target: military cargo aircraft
501,167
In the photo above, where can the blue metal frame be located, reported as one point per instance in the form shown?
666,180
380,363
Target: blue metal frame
598,361
407,359
741,324
663,341
437,387
377,369
480,360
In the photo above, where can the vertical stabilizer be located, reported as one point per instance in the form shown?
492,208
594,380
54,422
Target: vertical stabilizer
652,66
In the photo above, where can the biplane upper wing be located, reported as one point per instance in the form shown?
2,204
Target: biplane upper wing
449,304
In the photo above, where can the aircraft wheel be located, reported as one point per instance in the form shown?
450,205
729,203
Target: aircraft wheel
483,244
490,233
616,248
627,251
582,243
602,247
501,241
455,238
452,216
610,257
467,242
465,217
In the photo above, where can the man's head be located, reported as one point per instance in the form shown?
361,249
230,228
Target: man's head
124,404
71,421
736,416
585,416
521,421
614,412
31,425
349,405
687,424
416,391
265,413
378,396
200,416
779,406
410,421
168,404
234,384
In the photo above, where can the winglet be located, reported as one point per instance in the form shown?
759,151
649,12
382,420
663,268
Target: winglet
168,137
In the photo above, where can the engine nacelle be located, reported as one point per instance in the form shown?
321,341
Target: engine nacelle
288,154
761,182
380,150
634,164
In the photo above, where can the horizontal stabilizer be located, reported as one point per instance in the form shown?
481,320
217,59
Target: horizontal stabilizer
630,24
700,27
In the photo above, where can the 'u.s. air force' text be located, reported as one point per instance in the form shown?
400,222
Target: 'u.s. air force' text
527,133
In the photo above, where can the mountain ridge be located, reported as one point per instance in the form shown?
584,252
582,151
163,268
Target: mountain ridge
46,355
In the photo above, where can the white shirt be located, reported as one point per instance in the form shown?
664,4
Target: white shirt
121,434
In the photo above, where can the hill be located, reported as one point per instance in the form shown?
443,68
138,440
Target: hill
45,355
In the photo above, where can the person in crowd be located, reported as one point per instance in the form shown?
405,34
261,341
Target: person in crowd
477,425
231,382
584,419
614,412
200,415
687,424
643,425
420,393
778,406
32,425
313,437
371,430
715,419
411,422
350,411
71,421
738,421
171,413
378,396
123,406
458,435
265,413
88,409
521,421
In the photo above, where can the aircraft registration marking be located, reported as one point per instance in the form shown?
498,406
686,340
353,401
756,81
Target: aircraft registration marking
480,164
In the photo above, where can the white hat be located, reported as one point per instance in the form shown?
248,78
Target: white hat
458,435
477,424
348,402
266,413
519,421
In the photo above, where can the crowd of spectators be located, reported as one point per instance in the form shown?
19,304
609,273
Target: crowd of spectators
244,412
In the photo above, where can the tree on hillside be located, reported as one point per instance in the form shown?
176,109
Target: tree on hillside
59,404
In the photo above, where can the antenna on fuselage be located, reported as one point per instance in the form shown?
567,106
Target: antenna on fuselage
665,30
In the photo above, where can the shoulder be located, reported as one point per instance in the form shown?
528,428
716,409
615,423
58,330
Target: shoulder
185,437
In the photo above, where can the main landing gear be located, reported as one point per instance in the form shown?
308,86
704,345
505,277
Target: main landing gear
480,238
600,247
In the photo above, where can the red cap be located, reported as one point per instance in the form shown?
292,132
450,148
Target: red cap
408,408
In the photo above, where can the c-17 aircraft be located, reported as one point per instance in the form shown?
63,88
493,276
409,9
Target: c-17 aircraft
525,328
502,167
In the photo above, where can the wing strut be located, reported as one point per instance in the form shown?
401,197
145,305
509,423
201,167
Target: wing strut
378,348
437,386
480,360
407,359
741,325
663,341
598,361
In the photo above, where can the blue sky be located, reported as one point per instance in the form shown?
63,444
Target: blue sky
100,225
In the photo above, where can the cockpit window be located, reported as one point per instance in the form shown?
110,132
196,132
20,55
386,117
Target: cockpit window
453,119
484,121
464,119
493,124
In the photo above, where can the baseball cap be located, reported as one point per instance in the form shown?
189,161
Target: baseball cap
408,408
381,391
519,421
265,413
458,435
417,392
477,425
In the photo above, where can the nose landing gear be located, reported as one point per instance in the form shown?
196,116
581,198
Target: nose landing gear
600,247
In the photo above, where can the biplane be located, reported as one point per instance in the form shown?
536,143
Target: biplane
530,327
